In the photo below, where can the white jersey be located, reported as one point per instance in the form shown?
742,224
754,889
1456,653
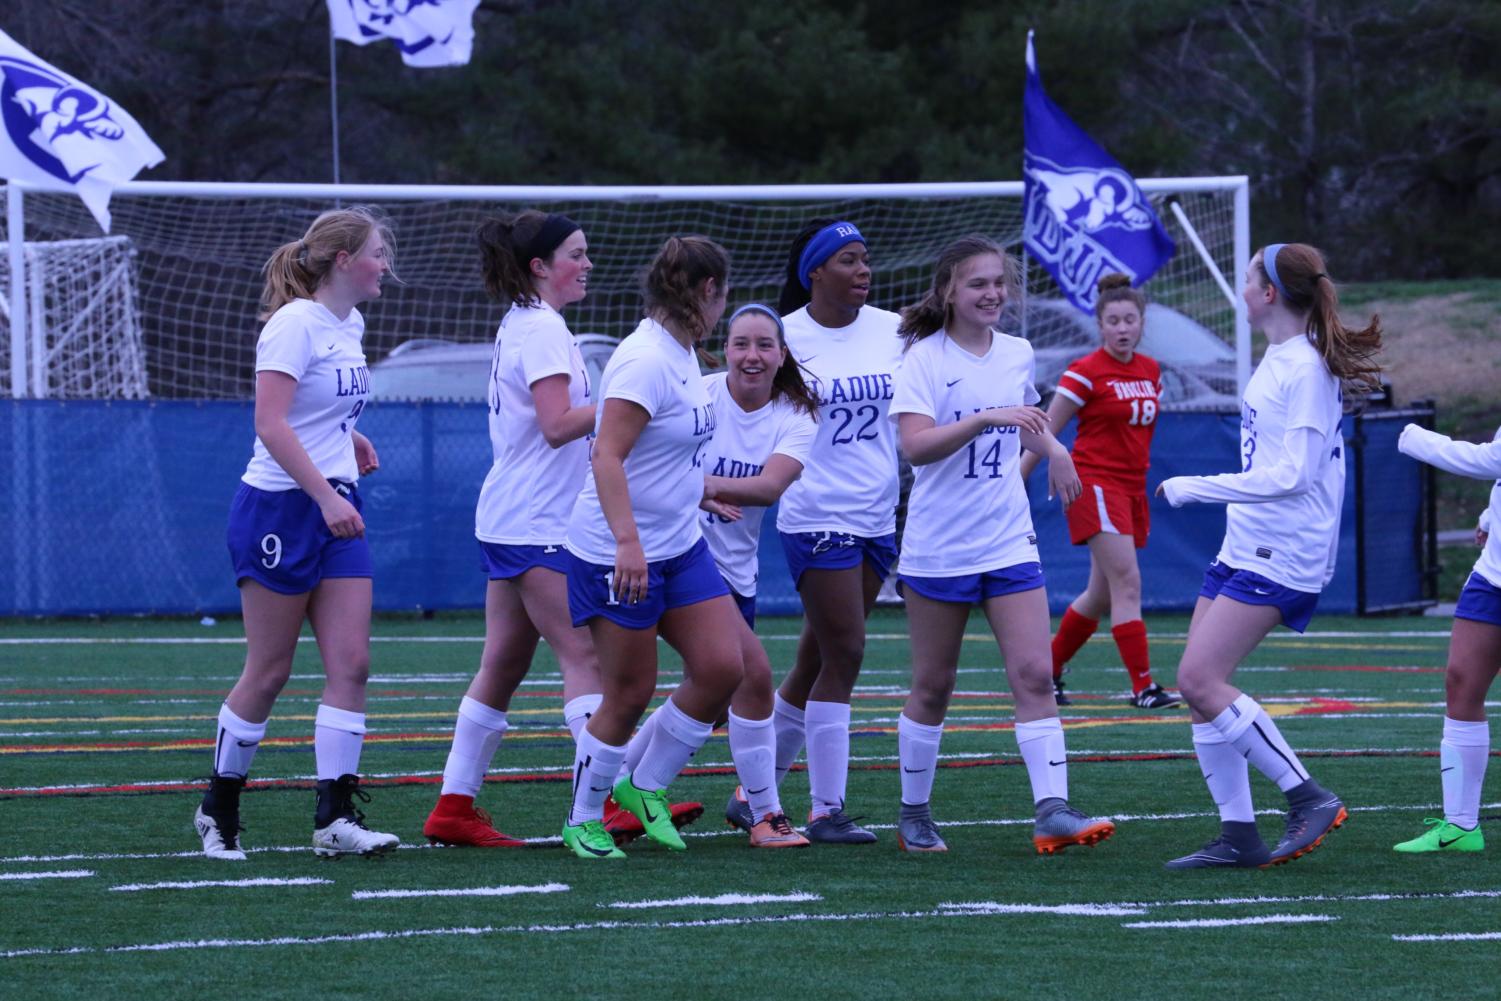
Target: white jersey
967,513
742,444
531,486
1292,540
1465,459
664,470
850,482
325,355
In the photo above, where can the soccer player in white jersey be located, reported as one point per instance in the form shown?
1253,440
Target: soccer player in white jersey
1281,537
838,522
541,415
296,536
964,407
1474,651
638,563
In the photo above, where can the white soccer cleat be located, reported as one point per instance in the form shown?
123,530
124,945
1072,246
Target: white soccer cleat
350,836
221,837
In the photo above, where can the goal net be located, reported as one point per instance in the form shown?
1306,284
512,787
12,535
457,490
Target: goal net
194,277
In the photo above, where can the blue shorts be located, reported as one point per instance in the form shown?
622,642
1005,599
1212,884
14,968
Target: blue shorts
683,580
1253,589
278,539
973,588
1479,601
503,562
836,551
747,606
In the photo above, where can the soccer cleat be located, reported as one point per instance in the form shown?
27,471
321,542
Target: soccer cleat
737,812
221,836
1441,836
625,828
1058,697
1307,826
1063,826
339,826
916,832
1222,854
457,821
650,806
590,840
1155,697
775,831
838,828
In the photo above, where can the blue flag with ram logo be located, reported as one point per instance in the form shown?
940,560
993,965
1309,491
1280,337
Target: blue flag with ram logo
1085,216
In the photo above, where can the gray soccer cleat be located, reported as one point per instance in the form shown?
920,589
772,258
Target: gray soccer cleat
1221,853
1060,826
916,832
1312,813
737,812
837,828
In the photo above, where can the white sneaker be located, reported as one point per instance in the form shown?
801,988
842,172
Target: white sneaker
349,836
218,842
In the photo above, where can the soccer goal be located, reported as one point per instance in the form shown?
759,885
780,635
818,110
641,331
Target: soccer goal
198,249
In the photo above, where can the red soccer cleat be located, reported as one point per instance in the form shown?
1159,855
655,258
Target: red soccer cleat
625,828
457,821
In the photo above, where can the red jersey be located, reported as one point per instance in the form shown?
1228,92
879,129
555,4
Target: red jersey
1117,415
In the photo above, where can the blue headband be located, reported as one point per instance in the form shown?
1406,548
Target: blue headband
756,307
1269,265
823,246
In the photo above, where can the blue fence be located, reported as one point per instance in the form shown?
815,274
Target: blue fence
119,508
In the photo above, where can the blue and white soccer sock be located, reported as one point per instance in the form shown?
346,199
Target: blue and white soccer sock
238,740
828,726
1042,748
1463,754
753,747
1225,772
1246,725
790,725
476,737
675,738
576,712
595,766
917,753
338,736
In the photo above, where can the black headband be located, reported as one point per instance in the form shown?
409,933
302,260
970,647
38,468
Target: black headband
555,229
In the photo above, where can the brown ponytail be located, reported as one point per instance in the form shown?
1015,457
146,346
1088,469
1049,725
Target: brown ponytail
673,283
932,312
296,270
1307,288
507,278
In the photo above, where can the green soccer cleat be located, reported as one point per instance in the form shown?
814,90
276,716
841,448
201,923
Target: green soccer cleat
590,840
653,810
1443,836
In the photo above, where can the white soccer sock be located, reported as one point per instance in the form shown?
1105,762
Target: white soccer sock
1246,725
635,748
595,765
1463,754
917,753
828,726
1225,772
788,722
675,738
338,735
476,736
576,712
753,746
238,741
1046,755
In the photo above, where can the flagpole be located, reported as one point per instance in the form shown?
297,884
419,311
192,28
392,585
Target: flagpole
333,98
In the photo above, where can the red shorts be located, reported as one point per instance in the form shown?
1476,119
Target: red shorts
1100,509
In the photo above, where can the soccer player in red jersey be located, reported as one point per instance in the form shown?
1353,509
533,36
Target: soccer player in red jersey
1114,391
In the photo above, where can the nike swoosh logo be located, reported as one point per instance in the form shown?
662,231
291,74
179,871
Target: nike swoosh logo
247,743
332,346
955,382
1449,769
597,852
599,788
913,771
684,381
1445,844
756,792
647,810
1056,763
1261,592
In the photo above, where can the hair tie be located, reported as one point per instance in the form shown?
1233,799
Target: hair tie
824,244
765,310
1269,265
555,229
302,252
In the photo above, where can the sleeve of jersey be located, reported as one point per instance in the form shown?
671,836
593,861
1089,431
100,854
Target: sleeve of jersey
912,389
1302,451
1311,398
795,437
1463,458
1075,384
639,379
284,346
547,350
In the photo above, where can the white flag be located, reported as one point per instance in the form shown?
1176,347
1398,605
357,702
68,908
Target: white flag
58,132
429,32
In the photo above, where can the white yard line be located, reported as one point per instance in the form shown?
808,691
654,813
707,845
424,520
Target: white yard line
474,891
199,884
55,874
1484,936
721,900
1263,919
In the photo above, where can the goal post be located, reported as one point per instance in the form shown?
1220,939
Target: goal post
198,249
